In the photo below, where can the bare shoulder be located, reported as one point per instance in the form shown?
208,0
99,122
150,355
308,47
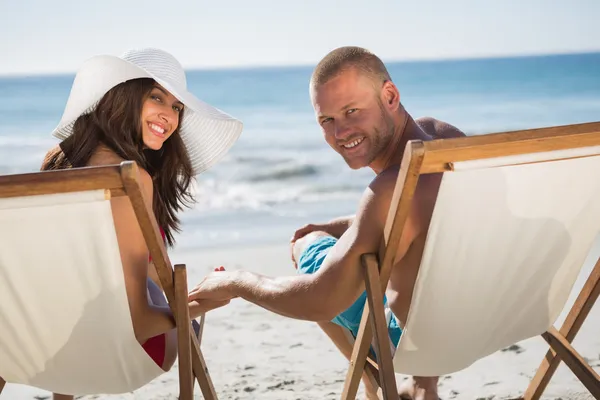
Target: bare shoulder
438,129
372,217
377,199
382,192
384,182
365,233
104,156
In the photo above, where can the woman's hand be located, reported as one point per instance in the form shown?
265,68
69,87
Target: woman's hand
199,307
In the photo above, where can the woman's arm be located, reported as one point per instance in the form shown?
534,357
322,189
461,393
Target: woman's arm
148,319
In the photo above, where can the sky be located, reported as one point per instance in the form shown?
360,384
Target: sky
43,36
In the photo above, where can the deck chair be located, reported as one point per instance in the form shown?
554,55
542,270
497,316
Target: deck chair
64,313
514,220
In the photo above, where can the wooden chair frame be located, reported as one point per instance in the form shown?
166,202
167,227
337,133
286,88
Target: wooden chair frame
439,156
124,180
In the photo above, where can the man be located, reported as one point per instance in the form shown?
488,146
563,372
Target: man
359,110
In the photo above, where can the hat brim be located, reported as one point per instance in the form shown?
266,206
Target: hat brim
207,132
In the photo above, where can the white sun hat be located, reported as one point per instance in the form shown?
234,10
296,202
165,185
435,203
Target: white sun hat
207,132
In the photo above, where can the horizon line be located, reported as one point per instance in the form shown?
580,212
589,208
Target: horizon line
41,74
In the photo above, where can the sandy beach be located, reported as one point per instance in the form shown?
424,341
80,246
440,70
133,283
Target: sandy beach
254,354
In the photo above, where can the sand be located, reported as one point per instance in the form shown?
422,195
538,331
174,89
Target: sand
254,354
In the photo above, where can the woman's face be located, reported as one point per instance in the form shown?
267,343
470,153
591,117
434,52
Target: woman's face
160,117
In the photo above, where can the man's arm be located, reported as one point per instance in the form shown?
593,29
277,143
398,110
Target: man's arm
335,227
339,281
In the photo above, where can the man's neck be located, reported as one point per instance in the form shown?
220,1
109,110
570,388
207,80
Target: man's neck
407,130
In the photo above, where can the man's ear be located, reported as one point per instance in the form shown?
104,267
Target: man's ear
390,96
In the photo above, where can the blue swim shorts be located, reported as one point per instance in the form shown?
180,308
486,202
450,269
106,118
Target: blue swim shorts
310,261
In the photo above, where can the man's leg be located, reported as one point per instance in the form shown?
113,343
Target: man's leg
309,252
417,388
344,341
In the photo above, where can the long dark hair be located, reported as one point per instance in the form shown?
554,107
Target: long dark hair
115,123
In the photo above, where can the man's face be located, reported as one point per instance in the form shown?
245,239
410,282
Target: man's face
350,111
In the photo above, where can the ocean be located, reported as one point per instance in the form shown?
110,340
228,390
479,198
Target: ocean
281,174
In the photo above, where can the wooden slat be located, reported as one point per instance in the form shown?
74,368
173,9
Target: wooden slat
588,377
147,221
581,308
372,371
117,192
182,320
439,154
406,184
387,379
360,351
201,328
62,181
145,216
201,371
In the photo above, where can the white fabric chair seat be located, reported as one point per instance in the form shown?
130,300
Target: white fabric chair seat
64,313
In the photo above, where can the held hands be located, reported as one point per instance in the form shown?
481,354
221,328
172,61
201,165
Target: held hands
211,293
200,307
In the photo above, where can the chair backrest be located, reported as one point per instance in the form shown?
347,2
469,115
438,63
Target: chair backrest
507,240
66,325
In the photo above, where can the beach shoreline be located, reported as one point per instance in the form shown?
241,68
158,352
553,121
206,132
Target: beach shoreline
255,354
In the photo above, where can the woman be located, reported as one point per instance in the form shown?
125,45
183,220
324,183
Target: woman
136,107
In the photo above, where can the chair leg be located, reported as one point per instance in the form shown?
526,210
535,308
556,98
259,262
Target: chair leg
192,362
407,180
182,319
372,369
358,360
577,315
371,321
201,371
387,376
198,365
574,361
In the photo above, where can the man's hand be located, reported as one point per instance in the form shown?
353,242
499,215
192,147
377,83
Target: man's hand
306,229
335,228
215,287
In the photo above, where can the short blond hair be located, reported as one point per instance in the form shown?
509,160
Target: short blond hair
349,57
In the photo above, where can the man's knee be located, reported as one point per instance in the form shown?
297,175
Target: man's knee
301,244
